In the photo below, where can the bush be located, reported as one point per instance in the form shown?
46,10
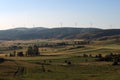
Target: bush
20,54
69,63
2,60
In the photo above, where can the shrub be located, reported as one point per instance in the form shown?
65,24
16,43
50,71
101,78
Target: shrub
2,60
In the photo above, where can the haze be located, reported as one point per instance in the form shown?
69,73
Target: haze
59,13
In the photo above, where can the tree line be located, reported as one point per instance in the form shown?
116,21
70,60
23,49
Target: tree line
31,51
115,58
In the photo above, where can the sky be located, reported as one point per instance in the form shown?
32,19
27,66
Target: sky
60,13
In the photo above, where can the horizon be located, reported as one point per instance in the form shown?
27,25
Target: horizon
59,27
103,14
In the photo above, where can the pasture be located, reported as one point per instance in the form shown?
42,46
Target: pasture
53,64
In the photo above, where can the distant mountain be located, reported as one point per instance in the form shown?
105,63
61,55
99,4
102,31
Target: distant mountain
57,33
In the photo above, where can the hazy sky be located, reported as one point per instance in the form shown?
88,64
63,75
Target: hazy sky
57,13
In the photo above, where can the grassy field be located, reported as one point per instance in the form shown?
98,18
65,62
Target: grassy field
58,69
52,65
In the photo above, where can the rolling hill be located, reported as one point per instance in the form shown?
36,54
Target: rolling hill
57,33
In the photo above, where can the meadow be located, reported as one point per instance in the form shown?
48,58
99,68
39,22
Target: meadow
53,64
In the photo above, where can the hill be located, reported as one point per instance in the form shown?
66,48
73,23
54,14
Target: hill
57,33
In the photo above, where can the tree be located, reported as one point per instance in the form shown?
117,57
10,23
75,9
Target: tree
115,61
14,53
90,55
99,55
85,55
30,51
35,50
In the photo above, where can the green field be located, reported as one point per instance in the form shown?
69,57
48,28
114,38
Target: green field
52,65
